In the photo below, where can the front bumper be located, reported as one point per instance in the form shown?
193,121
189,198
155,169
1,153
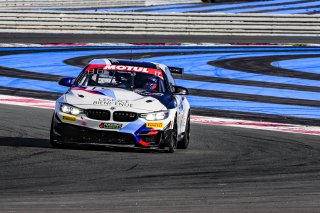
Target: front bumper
70,133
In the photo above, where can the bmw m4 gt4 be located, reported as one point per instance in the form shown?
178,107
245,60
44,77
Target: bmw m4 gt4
123,103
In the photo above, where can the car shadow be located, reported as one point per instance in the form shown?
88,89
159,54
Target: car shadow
24,142
44,143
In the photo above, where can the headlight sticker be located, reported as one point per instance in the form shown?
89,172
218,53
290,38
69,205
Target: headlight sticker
154,124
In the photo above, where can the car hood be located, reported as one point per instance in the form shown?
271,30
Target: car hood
112,98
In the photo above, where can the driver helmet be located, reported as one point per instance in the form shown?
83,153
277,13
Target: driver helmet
151,83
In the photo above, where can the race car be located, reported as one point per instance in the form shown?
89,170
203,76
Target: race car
123,103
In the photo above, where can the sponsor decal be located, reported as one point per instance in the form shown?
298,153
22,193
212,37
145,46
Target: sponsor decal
100,69
69,118
110,126
154,124
112,102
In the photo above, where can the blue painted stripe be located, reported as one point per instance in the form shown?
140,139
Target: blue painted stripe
250,90
54,87
124,9
288,6
254,107
46,86
52,63
311,65
225,6
195,101
296,11
197,65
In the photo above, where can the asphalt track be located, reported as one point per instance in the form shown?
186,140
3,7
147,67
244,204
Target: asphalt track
224,170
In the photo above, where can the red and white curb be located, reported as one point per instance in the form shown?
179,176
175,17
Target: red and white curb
28,102
290,128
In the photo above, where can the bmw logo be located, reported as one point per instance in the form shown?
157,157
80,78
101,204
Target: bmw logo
112,108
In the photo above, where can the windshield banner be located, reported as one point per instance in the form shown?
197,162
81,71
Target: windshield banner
100,69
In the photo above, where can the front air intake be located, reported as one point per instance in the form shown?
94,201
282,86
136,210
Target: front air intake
103,115
123,116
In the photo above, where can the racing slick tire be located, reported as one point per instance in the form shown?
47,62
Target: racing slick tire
173,139
184,143
53,142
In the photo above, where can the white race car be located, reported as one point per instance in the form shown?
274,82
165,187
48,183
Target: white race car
123,103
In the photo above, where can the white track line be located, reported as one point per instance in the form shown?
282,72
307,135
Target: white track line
290,128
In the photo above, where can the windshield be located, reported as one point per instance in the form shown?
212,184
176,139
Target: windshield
123,79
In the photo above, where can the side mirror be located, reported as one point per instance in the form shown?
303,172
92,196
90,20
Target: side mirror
66,82
176,70
178,90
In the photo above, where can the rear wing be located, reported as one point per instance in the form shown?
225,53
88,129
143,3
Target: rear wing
176,70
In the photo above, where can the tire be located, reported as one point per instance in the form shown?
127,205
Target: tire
53,142
184,143
172,143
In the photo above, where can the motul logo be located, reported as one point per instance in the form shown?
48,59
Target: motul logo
127,68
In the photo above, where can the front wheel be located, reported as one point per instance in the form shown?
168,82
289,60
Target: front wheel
184,143
53,140
172,142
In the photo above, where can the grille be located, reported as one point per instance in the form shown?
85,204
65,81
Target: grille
123,116
84,135
103,115
104,137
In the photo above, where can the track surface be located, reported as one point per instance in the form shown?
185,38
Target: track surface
225,169
237,170
236,82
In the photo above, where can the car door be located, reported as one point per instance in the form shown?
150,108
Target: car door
179,99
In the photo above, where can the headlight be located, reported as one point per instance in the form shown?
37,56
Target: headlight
155,116
66,108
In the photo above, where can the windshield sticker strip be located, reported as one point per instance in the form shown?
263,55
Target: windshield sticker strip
99,69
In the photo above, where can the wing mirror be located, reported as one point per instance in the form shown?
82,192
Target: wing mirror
66,82
178,90
176,70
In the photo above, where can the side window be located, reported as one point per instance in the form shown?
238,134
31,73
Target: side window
171,81
161,86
